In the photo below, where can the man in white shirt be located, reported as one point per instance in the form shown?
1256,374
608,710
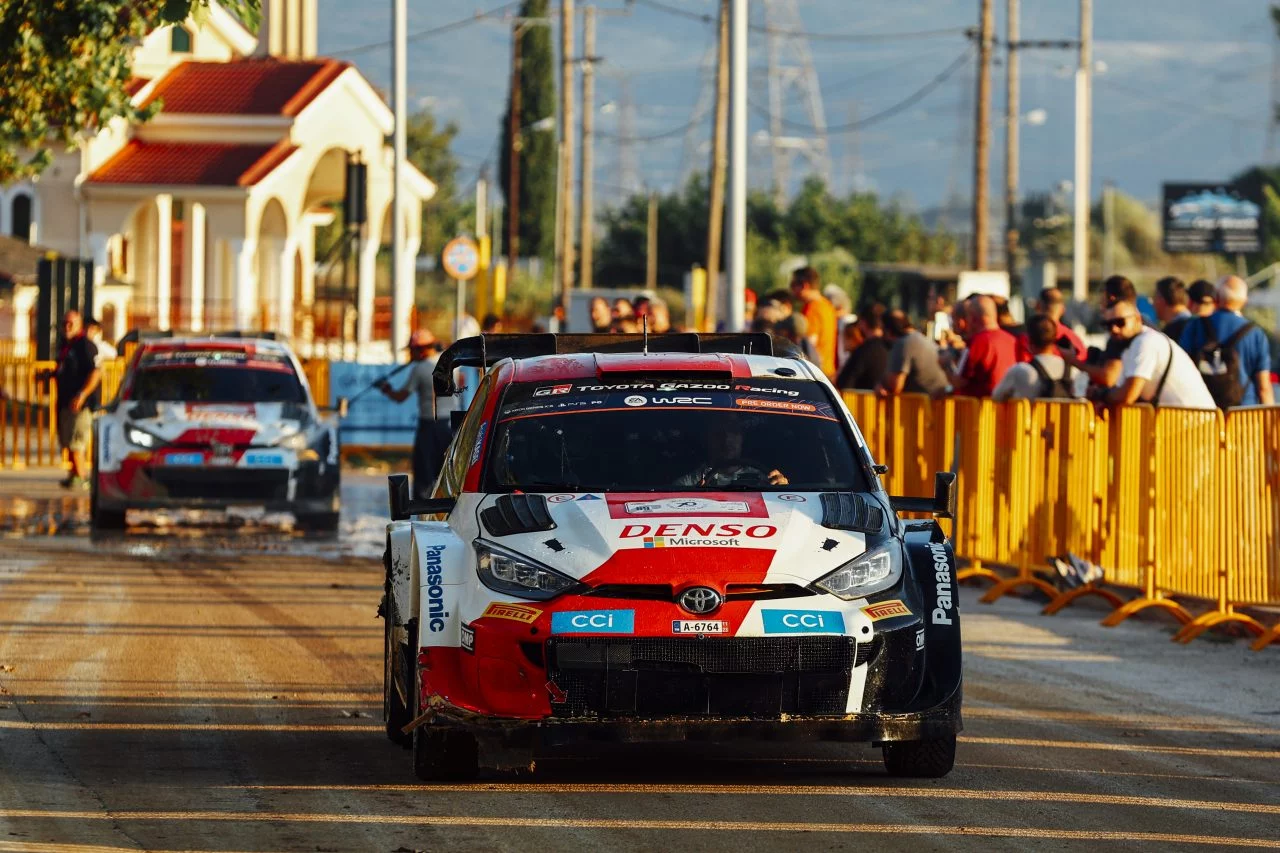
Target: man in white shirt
1153,369
431,436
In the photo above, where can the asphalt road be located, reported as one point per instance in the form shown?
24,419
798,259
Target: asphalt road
219,689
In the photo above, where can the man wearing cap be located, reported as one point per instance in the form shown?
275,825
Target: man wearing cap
431,436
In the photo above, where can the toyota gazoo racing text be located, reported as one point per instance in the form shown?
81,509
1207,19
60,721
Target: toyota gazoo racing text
215,422
647,545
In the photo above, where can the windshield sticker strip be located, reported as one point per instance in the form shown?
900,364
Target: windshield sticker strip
701,505
521,415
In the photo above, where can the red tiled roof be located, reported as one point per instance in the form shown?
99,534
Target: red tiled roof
135,84
261,87
192,164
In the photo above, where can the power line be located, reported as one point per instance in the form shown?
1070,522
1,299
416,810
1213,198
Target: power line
428,33
888,112
675,131
708,18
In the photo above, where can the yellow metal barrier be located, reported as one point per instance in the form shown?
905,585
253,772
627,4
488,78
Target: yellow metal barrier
1177,502
28,434
317,373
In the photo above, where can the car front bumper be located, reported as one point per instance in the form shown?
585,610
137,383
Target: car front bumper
308,486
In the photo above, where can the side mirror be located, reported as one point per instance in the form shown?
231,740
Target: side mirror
942,504
403,506
455,421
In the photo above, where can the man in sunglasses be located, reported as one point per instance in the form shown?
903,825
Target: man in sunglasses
1153,369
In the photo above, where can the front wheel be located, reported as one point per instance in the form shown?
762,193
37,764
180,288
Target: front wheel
920,759
317,522
102,519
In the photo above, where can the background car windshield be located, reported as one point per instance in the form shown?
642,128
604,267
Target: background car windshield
661,435
217,385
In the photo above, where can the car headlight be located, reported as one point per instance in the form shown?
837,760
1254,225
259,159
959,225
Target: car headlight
140,438
514,574
871,572
293,441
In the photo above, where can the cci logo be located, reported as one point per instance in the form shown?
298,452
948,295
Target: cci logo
594,622
802,621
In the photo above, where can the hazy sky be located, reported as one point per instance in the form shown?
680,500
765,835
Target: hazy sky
1182,95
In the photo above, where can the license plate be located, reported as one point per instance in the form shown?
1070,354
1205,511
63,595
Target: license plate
221,461
264,459
184,459
699,626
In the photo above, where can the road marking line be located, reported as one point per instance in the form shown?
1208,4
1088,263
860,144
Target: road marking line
1048,715
189,727
1125,747
788,790
624,823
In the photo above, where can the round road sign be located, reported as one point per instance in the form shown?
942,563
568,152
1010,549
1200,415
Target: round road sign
461,258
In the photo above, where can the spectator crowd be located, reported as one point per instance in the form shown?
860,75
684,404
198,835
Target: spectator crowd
1204,354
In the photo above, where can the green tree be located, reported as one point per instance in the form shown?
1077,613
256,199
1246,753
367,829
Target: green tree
537,146
65,65
430,148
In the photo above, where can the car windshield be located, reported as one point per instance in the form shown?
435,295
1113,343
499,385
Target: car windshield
661,435
216,377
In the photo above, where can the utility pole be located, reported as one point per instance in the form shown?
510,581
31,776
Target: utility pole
651,253
719,139
401,274
586,238
1084,137
567,127
982,137
1108,226
1011,119
513,182
481,283
736,227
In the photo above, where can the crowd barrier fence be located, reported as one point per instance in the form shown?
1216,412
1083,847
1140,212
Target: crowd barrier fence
1177,505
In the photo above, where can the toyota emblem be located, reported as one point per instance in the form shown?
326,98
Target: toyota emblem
700,600
221,448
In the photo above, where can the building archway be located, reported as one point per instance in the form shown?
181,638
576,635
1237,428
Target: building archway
273,261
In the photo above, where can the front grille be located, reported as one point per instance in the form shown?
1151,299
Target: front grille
223,484
760,677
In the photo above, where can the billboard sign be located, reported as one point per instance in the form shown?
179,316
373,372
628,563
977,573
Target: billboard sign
1208,218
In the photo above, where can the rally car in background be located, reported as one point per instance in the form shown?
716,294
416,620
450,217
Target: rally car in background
215,422
675,537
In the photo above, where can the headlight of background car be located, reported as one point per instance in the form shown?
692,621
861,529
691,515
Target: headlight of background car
140,438
293,441
513,574
873,571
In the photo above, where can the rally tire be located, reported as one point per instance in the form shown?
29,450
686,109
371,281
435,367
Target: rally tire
394,713
100,519
317,522
442,754
920,759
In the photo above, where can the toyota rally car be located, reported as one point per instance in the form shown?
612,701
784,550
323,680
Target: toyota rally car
210,423
678,537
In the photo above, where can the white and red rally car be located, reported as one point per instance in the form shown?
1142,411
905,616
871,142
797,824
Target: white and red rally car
210,423
651,539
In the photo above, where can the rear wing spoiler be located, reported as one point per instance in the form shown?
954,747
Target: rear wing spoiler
484,351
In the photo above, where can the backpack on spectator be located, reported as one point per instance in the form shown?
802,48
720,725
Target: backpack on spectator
1050,388
1219,365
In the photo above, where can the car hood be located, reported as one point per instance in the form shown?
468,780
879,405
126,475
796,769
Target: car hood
680,539
236,423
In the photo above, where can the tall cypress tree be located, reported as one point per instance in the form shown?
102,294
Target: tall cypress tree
537,190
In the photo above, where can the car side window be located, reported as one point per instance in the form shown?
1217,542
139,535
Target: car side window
459,457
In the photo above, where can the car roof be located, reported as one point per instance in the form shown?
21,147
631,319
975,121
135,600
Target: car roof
551,368
245,345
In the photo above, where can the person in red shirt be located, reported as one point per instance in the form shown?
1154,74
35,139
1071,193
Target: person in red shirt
990,353
1053,305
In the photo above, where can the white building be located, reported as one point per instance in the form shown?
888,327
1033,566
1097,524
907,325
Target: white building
208,211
